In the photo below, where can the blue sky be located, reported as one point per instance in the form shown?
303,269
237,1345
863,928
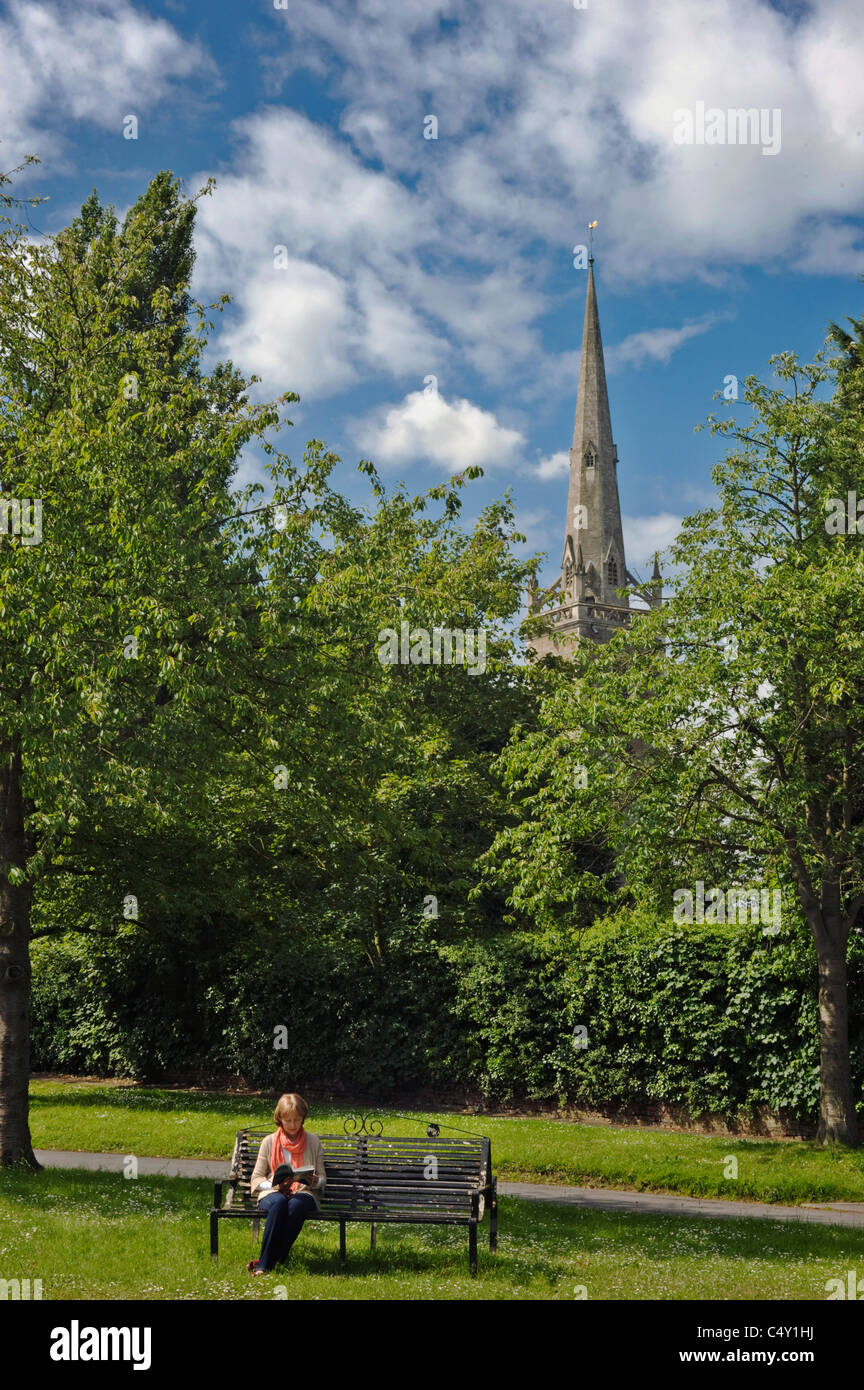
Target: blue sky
407,257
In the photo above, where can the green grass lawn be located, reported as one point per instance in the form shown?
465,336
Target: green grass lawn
114,1118
97,1236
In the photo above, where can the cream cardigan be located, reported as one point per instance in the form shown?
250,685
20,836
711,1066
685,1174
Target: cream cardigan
313,1157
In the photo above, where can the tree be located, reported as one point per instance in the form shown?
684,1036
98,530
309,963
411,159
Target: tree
196,719
723,736
354,795
413,802
128,589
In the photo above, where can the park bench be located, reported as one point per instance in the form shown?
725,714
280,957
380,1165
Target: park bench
429,1181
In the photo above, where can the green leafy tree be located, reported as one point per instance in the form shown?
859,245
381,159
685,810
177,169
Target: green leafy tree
414,802
351,807
374,789
128,587
199,736
723,736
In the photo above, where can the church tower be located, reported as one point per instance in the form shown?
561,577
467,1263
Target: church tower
588,597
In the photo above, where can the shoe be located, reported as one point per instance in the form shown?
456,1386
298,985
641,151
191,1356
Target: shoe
252,1267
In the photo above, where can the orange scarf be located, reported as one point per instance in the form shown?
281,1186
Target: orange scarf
286,1150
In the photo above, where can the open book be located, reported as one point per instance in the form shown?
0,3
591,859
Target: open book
285,1173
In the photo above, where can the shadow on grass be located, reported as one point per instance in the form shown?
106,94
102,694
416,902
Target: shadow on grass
208,1102
150,1098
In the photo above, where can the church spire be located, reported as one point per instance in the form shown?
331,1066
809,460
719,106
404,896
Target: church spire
588,597
593,529
593,422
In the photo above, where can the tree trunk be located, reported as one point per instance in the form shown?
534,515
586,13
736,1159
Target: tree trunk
15,1145
838,1122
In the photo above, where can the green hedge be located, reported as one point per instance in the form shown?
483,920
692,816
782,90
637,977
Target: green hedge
710,1020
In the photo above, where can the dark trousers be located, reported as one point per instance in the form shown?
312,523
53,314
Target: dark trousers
285,1217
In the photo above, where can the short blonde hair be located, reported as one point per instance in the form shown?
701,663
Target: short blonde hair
290,1104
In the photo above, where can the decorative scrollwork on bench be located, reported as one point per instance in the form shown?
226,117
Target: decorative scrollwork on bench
357,1125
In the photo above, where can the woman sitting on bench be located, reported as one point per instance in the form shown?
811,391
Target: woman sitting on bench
286,1203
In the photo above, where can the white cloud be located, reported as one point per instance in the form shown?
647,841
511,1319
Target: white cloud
656,344
392,334
96,61
451,434
587,126
555,465
297,184
442,247
831,244
490,316
357,236
292,330
643,535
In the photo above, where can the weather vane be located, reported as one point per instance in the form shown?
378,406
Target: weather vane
591,226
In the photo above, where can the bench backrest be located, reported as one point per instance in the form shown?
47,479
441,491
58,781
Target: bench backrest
397,1176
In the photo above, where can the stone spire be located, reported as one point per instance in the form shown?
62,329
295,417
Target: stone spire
593,566
657,580
593,513
587,599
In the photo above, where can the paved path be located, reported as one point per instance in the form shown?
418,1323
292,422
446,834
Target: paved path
665,1203
600,1198
113,1163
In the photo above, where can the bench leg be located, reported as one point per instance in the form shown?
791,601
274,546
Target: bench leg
372,1237
256,1227
472,1248
493,1219
214,1235
342,1252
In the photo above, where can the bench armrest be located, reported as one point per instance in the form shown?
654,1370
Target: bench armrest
217,1195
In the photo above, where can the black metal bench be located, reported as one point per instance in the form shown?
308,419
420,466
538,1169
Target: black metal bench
431,1181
